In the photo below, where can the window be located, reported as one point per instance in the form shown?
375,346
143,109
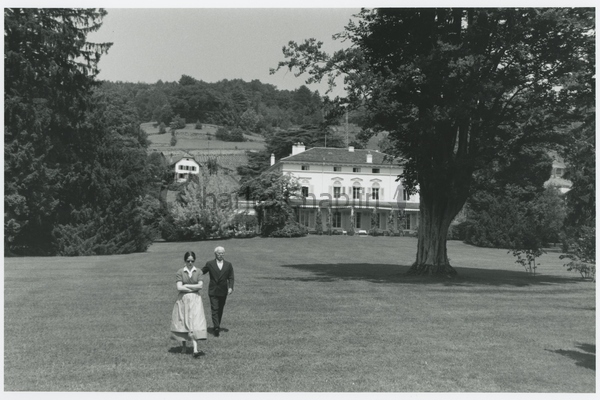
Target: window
407,222
405,195
559,172
181,167
356,169
356,192
304,217
337,192
375,193
193,168
375,170
304,191
336,219
181,176
337,169
357,220
305,167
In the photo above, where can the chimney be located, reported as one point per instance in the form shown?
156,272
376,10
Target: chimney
298,148
272,159
370,158
351,149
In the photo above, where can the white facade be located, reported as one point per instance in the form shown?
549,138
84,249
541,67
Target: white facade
347,186
184,168
556,178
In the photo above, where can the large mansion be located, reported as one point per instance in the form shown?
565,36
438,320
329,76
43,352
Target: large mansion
348,185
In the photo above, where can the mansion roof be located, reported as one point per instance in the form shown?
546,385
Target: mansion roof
332,155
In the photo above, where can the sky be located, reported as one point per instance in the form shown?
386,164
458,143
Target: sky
212,44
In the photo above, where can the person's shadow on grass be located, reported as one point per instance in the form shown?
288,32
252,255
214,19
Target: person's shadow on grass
212,330
180,350
585,358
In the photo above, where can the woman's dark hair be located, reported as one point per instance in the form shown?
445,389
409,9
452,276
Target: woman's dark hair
188,254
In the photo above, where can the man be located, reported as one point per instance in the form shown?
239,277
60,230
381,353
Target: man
221,285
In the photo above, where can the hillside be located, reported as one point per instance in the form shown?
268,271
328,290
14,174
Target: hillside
190,138
202,146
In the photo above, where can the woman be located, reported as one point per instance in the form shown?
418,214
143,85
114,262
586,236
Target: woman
187,321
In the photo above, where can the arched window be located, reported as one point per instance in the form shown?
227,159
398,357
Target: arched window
305,187
375,191
356,190
337,189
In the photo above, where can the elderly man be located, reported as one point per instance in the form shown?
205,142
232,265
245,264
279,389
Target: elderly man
221,285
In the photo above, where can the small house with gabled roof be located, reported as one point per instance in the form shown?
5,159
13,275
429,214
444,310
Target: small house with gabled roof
184,167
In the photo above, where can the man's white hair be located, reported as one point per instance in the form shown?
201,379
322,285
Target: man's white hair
221,248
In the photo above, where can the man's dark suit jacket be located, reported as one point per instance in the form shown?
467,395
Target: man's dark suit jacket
220,280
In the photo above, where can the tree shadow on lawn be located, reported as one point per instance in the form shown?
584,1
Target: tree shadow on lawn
392,273
586,359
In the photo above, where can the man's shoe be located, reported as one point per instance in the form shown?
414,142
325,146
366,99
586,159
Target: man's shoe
216,332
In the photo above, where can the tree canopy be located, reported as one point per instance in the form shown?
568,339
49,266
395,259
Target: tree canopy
457,89
75,160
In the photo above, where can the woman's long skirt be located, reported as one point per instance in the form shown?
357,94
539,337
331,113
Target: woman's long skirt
188,321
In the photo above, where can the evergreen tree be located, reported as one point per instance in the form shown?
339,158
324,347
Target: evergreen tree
49,71
76,171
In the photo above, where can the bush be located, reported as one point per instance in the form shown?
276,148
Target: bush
291,229
377,232
173,141
178,122
198,125
236,135
319,223
166,227
457,231
244,225
189,219
212,166
581,250
162,128
587,271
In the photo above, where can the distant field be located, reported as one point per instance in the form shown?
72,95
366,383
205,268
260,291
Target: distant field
198,139
313,314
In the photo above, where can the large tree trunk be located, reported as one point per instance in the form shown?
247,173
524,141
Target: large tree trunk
436,213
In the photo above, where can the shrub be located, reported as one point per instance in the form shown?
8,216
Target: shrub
212,165
377,232
581,250
173,140
329,223
189,219
319,223
162,128
166,227
178,122
457,231
291,229
222,133
235,135
587,271
198,125
244,225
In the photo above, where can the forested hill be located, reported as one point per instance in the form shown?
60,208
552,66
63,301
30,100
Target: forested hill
253,106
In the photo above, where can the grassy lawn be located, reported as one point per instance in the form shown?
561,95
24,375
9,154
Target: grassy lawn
190,138
315,314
